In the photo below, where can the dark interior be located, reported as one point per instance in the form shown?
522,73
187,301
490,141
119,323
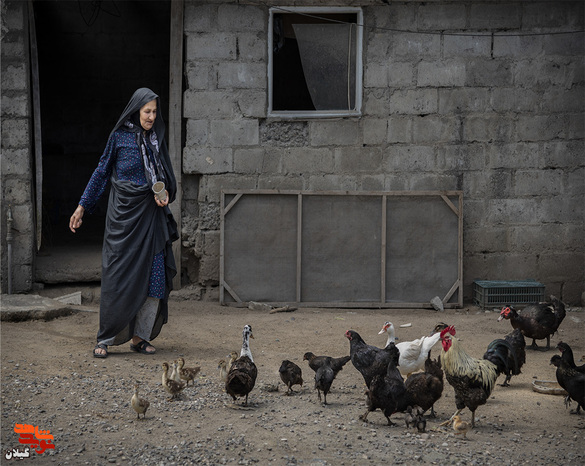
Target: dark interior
92,57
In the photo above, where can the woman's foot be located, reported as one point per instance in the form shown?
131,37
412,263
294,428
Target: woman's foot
142,346
100,351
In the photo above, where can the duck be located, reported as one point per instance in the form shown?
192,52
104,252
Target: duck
140,405
536,321
233,356
170,385
241,377
186,373
413,354
223,371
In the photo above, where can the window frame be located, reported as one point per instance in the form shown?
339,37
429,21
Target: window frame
358,65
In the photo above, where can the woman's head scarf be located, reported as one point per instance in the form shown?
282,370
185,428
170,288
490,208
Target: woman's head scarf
129,120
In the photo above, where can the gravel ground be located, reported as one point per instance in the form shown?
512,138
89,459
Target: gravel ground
50,380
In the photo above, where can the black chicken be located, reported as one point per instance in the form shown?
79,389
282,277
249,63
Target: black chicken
324,377
567,355
367,359
425,388
290,374
315,362
572,381
537,321
516,355
387,392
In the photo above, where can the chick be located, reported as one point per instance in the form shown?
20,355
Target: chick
410,417
171,386
421,424
140,405
460,427
186,373
290,374
222,366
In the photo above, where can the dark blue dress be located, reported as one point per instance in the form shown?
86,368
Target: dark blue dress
122,153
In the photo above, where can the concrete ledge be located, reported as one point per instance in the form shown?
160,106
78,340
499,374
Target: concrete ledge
20,307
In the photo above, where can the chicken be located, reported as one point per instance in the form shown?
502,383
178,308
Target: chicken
387,392
222,366
536,321
410,417
315,362
171,386
324,377
567,355
460,427
140,405
367,359
290,374
572,381
413,354
421,424
425,388
472,379
516,358
242,375
187,373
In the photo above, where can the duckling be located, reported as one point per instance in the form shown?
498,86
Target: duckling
242,375
233,356
460,427
174,372
223,372
140,405
172,387
187,373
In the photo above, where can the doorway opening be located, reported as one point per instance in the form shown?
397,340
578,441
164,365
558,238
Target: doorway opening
91,57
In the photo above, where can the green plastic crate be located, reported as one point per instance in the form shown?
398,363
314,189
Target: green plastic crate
490,293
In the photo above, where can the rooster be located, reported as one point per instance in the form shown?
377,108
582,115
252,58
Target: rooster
472,379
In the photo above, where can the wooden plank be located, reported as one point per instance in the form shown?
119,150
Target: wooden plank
232,203
38,145
222,249
383,250
299,244
175,120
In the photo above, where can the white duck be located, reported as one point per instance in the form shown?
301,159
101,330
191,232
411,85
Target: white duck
412,353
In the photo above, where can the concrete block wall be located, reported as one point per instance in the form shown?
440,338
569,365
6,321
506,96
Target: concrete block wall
499,116
16,163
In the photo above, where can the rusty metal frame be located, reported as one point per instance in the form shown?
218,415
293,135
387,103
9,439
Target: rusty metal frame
449,301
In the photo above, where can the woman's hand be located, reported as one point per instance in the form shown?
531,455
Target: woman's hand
162,203
75,221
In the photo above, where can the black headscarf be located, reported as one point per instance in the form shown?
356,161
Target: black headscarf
136,230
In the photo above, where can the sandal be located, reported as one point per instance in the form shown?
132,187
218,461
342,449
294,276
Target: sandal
141,347
100,355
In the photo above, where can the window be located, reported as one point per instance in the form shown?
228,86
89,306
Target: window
315,62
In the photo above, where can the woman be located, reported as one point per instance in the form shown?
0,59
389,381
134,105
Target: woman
137,259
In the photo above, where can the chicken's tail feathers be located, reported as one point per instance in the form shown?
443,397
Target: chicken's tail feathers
502,355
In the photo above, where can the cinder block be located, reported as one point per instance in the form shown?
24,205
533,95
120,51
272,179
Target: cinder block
376,75
441,17
233,17
400,129
563,154
513,99
414,101
376,102
487,72
15,105
540,127
401,74
435,129
352,160
377,44
251,47
206,160
199,105
374,130
432,181
425,47
230,133
488,238
409,158
489,127
513,211
252,103
448,73
370,182
284,133
464,100
15,162
334,133
559,265
200,17
396,182
198,75
332,183
15,133
282,182
242,76
467,46
570,45
495,16
514,155
16,191
211,186
574,185
210,46
517,47
538,182
307,160
209,269
197,132
255,160
460,158
550,14
563,209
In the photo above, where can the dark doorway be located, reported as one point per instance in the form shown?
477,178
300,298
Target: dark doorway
92,57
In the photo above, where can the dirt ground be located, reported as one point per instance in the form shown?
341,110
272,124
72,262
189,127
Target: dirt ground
51,380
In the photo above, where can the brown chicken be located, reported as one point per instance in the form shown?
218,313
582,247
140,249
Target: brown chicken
290,374
536,321
472,379
425,388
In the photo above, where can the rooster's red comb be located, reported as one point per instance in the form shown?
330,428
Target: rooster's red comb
449,329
